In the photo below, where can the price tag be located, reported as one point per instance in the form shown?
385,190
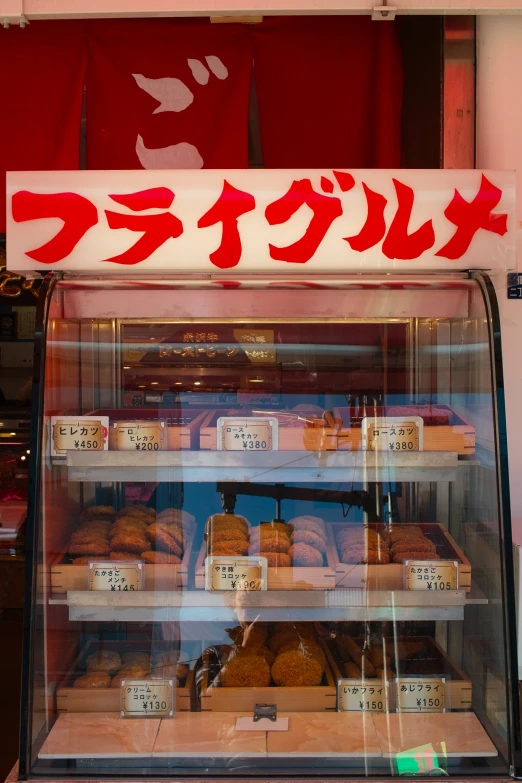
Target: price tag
124,577
362,695
235,573
73,433
140,436
425,694
147,698
247,434
393,433
434,575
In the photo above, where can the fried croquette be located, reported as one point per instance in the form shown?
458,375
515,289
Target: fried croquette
104,661
129,523
129,673
306,646
123,556
95,524
245,671
269,544
175,515
86,536
312,539
295,668
276,559
228,520
163,558
401,556
93,680
136,659
235,548
164,540
98,511
165,658
98,548
424,545
305,555
80,561
137,510
304,522
288,636
249,636
262,651
396,533
280,527
129,542
227,534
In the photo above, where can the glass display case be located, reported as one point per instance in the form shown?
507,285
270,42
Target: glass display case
270,531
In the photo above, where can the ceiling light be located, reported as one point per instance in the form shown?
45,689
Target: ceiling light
178,383
28,451
126,368
142,387
154,383
197,383
12,433
23,456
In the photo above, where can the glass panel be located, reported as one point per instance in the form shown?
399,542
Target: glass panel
289,509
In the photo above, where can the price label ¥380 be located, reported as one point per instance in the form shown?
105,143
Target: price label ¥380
362,695
247,434
235,573
435,576
393,434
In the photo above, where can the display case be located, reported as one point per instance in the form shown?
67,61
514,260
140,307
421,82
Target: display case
274,501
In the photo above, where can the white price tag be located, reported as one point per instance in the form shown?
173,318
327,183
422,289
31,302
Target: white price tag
436,576
393,433
140,436
78,433
147,698
422,694
114,576
362,695
247,434
235,573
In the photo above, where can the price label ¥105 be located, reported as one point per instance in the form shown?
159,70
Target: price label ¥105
422,694
247,434
147,698
362,695
140,436
393,434
114,577
235,573
436,576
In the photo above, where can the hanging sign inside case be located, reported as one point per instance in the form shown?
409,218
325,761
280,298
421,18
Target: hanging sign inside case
236,573
247,434
140,436
421,694
291,222
78,433
147,698
123,577
393,433
436,576
362,695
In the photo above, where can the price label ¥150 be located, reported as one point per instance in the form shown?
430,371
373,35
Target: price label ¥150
362,695
247,434
436,576
423,694
147,699
393,434
235,573
109,575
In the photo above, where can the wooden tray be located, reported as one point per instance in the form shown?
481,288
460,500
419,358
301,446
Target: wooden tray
65,576
292,578
391,576
458,687
69,699
299,430
182,428
302,699
457,436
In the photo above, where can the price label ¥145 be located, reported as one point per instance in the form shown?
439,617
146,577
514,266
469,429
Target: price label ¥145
124,577
393,434
425,694
435,576
247,434
147,699
235,573
362,695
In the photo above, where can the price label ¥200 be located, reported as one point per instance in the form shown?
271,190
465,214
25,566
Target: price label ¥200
362,695
235,573
147,698
247,434
436,576
109,575
393,434
422,694
140,436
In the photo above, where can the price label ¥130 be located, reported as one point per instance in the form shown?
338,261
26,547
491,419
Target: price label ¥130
147,698
423,694
393,434
235,573
436,576
362,695
247,434
109,575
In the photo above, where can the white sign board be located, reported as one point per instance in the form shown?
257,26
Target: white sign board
277,221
